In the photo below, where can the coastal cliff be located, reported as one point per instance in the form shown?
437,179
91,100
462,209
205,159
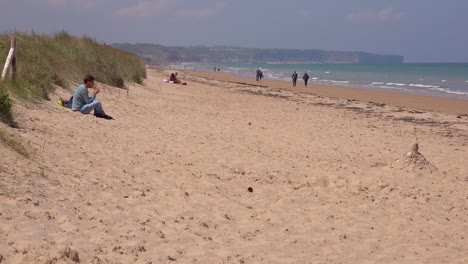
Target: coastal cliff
157,54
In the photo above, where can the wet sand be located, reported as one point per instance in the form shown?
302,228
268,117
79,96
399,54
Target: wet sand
425,103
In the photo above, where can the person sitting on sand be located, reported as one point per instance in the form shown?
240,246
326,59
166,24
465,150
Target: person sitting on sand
84,103
172,78
176,80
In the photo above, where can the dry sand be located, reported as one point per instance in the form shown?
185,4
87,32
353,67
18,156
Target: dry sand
168,180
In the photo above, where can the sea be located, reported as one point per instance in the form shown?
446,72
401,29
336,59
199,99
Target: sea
433,79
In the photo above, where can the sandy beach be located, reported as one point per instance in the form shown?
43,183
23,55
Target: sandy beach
426,103
226,171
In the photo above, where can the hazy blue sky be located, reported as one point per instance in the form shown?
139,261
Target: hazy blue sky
420,30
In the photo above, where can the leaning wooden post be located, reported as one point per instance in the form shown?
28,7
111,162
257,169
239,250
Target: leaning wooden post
11,56
13,61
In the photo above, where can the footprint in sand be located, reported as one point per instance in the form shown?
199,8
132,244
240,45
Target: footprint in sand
322,182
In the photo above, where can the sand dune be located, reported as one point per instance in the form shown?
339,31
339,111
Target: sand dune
167,181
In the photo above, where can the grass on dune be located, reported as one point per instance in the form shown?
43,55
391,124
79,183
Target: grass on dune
43,60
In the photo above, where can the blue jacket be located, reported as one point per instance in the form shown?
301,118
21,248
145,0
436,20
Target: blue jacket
81,98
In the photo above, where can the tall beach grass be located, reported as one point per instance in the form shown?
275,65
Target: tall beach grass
44,60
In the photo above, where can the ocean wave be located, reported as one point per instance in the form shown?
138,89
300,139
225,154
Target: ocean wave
391,87
390,84
446,90
330,81
236,69
421,85
404,83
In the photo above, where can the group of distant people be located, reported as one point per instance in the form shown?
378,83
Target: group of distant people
294,77
305,77
173,79
216,69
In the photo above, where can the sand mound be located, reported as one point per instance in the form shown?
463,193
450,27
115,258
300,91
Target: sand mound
414,161
66,255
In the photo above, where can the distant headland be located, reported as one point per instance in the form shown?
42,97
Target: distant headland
158,54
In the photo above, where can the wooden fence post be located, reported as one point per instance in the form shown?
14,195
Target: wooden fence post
13,61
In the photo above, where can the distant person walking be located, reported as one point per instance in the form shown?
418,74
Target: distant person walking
259,73
305,78
294,78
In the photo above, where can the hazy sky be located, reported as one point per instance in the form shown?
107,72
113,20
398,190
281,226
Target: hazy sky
420,30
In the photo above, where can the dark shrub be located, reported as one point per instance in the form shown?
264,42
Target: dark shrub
6,105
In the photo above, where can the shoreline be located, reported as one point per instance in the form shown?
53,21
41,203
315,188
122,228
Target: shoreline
449,106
